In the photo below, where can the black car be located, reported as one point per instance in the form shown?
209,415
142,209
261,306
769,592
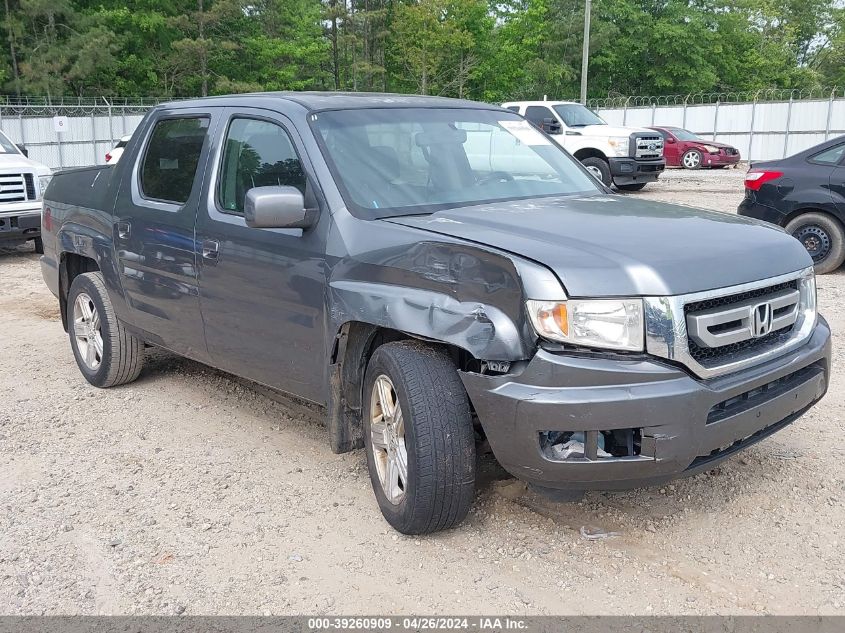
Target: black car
805,194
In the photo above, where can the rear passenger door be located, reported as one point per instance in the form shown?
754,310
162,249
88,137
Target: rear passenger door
154,229
835,157
262,291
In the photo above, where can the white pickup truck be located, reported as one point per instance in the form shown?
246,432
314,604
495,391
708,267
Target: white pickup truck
627,157
21,183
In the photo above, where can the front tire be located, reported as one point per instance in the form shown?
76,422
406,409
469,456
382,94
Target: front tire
39,245
598,168
106,353
823,237
691,159
419,437
637,186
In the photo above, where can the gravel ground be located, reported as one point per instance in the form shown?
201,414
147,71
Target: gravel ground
187,492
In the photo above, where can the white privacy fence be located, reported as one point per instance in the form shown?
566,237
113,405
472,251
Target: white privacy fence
761,130
89,129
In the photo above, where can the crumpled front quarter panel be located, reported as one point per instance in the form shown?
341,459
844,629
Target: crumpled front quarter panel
439,289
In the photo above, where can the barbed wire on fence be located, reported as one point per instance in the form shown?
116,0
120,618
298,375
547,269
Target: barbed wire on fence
700,98
11,105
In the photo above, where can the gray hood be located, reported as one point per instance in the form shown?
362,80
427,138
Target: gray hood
602,246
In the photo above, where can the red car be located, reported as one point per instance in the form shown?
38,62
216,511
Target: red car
684,149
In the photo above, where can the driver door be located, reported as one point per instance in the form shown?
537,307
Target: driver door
262,291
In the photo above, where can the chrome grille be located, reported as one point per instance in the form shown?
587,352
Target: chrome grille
16,188
648,146
741,323
673,331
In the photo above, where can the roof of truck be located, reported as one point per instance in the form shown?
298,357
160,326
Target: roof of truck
538,103
313,101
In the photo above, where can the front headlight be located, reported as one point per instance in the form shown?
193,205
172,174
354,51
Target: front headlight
711,149
807,288
606,323
43,181
620,145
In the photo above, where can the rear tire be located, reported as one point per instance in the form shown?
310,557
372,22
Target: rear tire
106,353
39,245
691,159
637,186
823,237
415,407
598,168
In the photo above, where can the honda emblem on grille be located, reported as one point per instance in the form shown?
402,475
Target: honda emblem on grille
762,319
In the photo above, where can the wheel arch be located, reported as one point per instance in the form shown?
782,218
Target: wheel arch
354,345
590,152
803,210
71,265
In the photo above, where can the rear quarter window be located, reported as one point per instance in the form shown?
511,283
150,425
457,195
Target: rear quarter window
832,156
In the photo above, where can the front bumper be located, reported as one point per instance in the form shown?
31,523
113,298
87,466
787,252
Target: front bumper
719,160
20,225
629,171
686,424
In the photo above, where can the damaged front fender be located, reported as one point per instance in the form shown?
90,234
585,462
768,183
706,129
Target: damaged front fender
485,331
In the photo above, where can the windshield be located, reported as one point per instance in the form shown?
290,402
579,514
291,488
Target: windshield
683,135
402,161
6,146
576,115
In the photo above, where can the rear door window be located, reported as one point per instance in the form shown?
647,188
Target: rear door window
256,154
171,159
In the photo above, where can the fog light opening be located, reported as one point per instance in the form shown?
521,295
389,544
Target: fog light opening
590,445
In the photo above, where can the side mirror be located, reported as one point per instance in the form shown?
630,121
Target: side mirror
277,208
23,149
573,133
669,139
551,126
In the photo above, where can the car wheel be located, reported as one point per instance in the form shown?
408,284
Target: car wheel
39,245
106,353
598,168
419,438
691,159
823,237
637,186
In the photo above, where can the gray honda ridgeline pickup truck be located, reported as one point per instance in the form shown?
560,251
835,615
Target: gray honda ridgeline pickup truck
436,273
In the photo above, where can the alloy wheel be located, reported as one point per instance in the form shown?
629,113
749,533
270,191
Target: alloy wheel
692,160
87,331
387,438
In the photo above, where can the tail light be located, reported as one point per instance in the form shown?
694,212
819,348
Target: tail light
756,178
108,157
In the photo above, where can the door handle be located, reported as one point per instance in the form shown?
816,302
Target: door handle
210,249
123,230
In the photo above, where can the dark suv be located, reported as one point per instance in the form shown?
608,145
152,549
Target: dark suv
436,272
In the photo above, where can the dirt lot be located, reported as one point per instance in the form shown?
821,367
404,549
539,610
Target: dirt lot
187,492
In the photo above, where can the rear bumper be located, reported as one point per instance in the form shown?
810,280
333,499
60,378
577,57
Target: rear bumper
686,424
629,171
749,207
24,224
